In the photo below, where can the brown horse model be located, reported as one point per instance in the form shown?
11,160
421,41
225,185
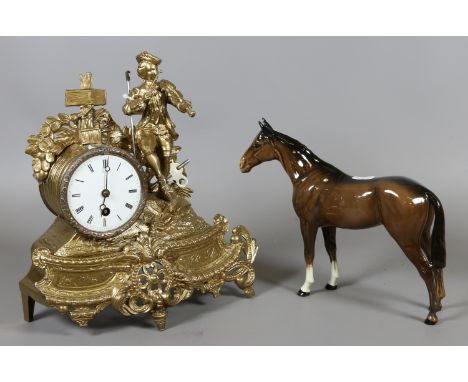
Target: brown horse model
325,197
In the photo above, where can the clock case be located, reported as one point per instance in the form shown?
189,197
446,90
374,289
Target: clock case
54,190
167,254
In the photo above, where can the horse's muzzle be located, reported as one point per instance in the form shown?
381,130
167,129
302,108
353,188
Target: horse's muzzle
243,166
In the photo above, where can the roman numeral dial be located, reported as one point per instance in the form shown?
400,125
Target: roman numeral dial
105,193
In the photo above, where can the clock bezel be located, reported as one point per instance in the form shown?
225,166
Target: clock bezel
75,163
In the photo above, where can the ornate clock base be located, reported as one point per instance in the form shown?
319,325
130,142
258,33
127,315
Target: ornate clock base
169,253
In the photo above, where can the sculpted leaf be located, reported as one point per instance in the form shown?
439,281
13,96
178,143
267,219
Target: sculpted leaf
49,157
36,164
46,144
45,165
62,143
56,125
32,150
45,130
41,175
64,117
33,139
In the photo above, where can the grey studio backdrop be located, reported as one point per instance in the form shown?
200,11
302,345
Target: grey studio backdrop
370,106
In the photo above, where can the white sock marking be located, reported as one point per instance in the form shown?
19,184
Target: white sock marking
334,273
309,280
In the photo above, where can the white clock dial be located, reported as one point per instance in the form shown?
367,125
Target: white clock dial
104,193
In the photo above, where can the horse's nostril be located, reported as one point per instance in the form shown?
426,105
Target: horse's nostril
242,161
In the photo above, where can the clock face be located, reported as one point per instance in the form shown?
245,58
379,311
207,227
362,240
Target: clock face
104,194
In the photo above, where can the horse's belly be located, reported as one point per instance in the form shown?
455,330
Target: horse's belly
352,215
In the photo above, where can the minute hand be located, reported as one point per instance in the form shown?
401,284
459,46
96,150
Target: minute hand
105,193
106,168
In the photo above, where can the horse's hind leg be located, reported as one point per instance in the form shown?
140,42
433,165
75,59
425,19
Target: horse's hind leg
439,283
424,268
412,250
329,236
426,246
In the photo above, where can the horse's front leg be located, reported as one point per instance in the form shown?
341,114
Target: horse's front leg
309,233
329,236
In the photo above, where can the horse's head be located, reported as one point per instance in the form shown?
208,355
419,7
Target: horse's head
261,149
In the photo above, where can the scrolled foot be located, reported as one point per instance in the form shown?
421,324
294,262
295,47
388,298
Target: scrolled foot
159,317
301,293
249,292
431,319
331,287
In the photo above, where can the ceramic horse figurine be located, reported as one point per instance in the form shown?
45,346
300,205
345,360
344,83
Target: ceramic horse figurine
325,197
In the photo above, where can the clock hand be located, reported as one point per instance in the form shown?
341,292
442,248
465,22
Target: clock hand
105,211
107,169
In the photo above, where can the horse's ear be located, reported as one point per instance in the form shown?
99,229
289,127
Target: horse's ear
262,127
266,127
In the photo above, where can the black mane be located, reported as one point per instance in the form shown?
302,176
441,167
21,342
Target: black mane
301,149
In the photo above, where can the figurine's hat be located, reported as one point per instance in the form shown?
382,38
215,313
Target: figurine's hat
147,56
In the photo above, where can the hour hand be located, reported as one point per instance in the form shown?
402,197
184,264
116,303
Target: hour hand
105,211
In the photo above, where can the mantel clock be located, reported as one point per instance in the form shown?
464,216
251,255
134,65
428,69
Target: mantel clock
125,234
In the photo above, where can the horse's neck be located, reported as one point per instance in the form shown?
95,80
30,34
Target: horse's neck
297,165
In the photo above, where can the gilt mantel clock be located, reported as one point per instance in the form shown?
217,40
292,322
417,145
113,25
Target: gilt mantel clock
125,234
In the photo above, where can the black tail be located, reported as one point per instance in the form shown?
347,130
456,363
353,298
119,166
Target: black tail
438,233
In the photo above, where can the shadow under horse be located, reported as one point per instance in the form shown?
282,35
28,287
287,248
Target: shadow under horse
325,197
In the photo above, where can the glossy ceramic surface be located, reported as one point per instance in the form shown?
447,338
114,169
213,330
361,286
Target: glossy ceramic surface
325,197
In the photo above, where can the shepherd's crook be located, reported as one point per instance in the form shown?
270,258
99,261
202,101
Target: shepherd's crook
127,78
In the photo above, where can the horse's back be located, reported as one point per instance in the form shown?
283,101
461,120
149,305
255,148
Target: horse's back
401,188
383,180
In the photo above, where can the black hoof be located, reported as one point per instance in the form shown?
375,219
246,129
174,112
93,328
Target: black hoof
302,294
431,319
331,287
